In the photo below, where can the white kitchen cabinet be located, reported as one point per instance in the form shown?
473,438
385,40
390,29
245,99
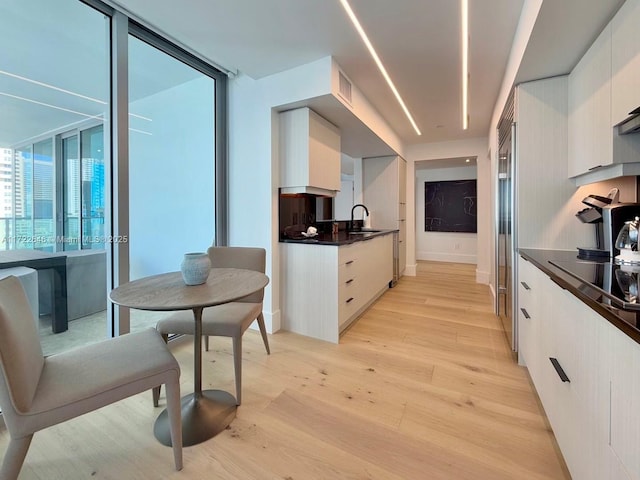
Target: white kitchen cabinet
603,89
580,417
531,311
593,415
541,167
625,62
309,152
384,183
590,132
326,287
624,442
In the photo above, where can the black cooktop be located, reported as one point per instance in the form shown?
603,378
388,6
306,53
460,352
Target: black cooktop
617,284
596,283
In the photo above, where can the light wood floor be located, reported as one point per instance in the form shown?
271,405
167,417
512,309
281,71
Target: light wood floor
423,386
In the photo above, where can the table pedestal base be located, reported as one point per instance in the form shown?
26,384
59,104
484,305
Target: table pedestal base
203,417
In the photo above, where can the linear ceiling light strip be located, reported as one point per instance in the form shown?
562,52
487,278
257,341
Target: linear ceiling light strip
374,55
465,64
69,92
52,87
4,94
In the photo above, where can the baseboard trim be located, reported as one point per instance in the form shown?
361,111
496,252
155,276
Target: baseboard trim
447,257
482,277
411,270
272,320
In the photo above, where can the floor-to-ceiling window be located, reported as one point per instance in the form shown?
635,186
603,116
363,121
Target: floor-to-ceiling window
171,163
92,188
58,149
55,104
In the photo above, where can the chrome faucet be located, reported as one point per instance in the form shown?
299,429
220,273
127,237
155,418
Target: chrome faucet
353,208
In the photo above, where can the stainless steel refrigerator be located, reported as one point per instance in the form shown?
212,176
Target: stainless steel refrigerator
505,228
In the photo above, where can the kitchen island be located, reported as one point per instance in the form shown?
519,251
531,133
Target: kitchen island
329,280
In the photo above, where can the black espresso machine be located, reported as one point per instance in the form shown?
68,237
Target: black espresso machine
608,216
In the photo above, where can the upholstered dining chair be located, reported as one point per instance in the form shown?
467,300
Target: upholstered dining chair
38,392
230,319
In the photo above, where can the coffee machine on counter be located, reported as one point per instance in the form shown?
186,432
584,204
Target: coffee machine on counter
609,217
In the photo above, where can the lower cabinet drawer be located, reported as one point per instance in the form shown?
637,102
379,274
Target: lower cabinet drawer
351,299
348,288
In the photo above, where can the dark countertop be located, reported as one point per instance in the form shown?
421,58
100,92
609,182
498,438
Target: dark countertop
624,320
340,238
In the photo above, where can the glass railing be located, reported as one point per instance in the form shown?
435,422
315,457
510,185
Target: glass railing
39,234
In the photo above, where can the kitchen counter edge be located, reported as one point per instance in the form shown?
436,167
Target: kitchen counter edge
541,258
341,238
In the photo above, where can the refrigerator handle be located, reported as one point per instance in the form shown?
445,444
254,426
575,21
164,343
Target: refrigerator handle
500,289
514,193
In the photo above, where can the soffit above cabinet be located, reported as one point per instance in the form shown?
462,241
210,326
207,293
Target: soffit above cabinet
562,33
357,140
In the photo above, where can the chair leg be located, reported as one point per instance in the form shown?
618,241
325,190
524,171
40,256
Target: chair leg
237,364
156,395
156,390
14,457
175,419
263,332
206,343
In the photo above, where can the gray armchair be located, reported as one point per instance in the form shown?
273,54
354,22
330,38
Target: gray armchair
38,392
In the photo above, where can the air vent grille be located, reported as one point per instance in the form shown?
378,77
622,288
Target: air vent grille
344,87
508,114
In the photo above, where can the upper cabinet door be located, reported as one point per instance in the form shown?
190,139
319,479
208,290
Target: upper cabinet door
590,134
309,150
625,93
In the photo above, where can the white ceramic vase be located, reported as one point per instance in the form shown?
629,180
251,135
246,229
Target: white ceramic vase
195,268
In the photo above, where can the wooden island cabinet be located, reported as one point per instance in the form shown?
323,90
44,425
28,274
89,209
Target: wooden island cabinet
326,287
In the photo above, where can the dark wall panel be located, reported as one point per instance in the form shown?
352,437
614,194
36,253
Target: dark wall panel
450,206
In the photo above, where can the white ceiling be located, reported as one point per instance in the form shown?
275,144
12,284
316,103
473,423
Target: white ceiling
54,68
563,32
418,40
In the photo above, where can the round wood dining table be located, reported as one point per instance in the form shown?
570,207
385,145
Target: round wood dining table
205,413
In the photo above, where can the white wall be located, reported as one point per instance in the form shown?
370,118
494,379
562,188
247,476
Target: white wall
344,199
366,113
254,162
442,246
475,147
171,178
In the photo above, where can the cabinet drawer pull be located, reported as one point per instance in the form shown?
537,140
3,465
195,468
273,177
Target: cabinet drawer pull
349,262
559,370
596,167
349,281
526,287
349,300
525,313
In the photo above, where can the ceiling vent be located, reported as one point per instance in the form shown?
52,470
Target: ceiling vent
344,87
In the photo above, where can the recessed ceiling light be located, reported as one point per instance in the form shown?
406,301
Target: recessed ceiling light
376,58
467,160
